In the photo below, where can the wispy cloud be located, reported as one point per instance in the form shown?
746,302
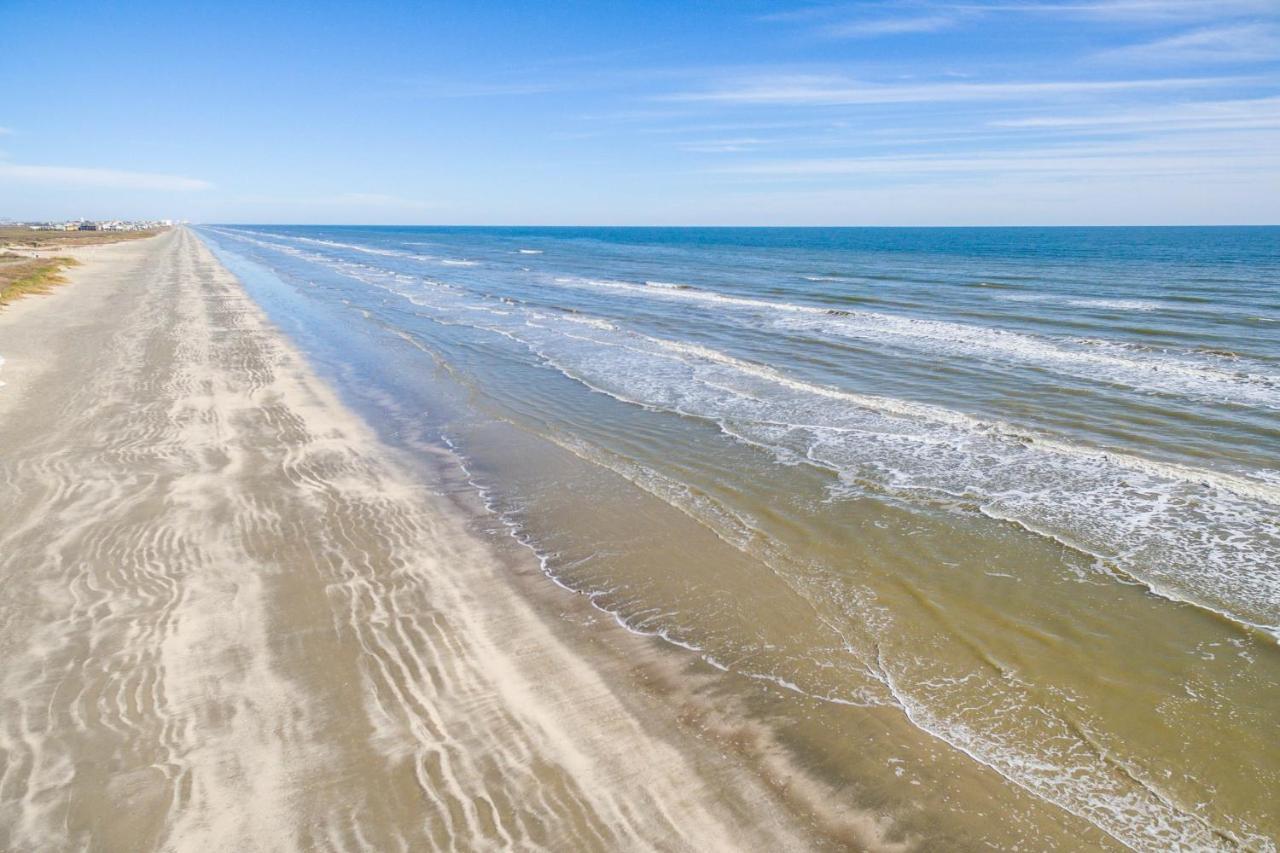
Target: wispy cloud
723,146
1224,31
872,20
931,15
1151,11
78,177
875,27
1246,154
829,91
1243,43
1193,116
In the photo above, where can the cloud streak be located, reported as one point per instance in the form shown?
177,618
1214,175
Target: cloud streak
890,26
1165,10
1246,155
1126,11
925,17
81,178
1231,44
1201,115
826,91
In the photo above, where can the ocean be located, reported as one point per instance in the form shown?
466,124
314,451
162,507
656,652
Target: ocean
979,526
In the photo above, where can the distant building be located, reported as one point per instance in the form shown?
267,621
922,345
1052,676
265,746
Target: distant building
96,225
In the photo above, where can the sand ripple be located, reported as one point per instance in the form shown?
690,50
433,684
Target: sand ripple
233,621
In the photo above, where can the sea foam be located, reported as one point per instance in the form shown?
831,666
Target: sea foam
1195,374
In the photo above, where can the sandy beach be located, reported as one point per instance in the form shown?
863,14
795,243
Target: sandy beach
234,621
655,426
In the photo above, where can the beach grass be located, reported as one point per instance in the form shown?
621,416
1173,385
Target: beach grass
28,270
22,276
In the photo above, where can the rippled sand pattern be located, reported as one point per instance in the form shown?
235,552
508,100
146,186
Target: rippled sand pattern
231,621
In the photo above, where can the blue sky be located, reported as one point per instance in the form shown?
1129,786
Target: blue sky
754,113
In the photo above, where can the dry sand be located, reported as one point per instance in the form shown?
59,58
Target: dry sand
233,621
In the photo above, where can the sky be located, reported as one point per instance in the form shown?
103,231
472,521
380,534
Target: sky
923,112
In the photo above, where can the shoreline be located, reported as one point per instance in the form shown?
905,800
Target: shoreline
856,769
253,674
999,683
284,574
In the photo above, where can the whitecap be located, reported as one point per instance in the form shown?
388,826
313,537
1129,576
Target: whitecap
1186,373
1117,304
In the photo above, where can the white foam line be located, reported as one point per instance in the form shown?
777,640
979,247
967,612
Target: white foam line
1112,810
1189,373
1107,808
517,532
1117,304
912,429
334,244
1250,588
1242,486
1101,812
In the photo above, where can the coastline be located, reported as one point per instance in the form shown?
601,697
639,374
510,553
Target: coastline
972,683
235,621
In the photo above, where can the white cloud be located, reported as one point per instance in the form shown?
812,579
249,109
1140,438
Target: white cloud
1255,154
929,15
820,91
890,26
719,146
78,177
1138,11
1243,43
1199,115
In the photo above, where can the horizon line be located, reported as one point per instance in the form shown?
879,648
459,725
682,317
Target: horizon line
726,226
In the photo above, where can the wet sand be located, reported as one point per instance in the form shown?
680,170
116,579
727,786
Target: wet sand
234,621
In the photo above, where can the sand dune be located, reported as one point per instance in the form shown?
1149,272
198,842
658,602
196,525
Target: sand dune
233,621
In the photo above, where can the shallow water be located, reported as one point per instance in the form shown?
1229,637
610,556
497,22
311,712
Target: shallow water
1007,497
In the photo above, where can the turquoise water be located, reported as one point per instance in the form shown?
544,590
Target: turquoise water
941,442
